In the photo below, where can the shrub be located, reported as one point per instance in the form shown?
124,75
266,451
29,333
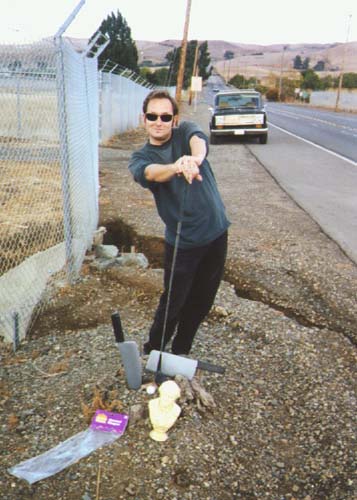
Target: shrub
261,88
272,94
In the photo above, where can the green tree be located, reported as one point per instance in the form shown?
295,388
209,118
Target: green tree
288,86
252,82
310,80
121,48
328,82
162,76
158,77
272,94
145,72
238,81
261,88
319,66
173,58
190,59
297,62
203,63
306,63
242,82
229,54
349,80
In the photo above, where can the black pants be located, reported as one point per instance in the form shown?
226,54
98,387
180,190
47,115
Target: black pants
198,272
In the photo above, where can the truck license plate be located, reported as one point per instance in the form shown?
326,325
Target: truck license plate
239,132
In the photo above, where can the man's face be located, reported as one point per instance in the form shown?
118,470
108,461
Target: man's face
158,130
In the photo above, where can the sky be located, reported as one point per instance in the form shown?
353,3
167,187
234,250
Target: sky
262,22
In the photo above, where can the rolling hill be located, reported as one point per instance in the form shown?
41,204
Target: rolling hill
260,60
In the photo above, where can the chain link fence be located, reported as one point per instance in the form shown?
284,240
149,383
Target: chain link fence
48,174
56,108
122,92
116,115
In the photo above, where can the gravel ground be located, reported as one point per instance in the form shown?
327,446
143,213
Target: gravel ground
280,424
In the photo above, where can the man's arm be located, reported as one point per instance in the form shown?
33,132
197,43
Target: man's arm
186,165
162,173
190,164
198,149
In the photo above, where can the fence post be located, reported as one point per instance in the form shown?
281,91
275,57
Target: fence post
93,141
18,108
100,90
16,340
64,157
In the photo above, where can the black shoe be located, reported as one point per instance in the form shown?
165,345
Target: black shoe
147,348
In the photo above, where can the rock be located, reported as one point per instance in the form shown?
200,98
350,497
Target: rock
220,311
102,263
185,388
106,251
98,236
132,259
233,440
130,490
204,399
137,412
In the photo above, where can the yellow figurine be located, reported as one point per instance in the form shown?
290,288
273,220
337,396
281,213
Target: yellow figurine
163,411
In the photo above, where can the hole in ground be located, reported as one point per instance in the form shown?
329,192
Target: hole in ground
125,237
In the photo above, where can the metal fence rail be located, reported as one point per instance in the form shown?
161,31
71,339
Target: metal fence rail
77,89
122,93
48,174
55,110
120,104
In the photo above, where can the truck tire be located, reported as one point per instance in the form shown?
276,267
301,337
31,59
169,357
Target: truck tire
263,139
213,139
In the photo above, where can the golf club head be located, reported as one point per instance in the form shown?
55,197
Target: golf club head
160,377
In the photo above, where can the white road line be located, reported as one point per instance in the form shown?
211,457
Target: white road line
314,144
301,116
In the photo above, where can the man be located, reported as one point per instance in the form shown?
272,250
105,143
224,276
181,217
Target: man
173,165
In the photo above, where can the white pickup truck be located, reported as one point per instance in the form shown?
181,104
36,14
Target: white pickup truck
238,112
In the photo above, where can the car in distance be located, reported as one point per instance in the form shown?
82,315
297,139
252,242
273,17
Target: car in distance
237,113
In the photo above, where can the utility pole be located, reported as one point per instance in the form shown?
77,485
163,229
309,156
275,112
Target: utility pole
229,70
281,72
343,63
181,71
194,71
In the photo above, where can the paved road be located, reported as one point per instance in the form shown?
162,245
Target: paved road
335,131
319,180
312,154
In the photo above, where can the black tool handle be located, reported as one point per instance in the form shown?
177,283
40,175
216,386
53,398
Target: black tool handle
203,365
118,329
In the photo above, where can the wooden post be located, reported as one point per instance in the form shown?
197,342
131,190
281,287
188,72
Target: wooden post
194,71
340,80
181,71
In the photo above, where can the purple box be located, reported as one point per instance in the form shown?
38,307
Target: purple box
109,422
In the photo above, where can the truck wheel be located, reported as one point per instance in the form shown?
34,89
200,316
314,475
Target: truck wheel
263,139
213,139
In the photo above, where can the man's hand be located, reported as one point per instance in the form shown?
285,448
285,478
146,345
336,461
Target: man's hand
188,166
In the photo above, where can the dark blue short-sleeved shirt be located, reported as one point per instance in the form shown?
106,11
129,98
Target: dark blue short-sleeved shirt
204,218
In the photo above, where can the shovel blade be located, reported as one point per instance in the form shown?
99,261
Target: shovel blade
171,364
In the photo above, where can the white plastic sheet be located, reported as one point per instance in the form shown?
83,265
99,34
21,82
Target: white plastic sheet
61,456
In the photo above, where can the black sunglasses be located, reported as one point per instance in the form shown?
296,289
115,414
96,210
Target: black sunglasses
152,117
